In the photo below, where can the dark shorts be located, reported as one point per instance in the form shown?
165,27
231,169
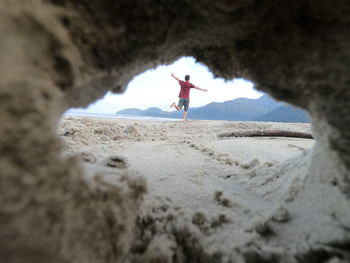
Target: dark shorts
185,103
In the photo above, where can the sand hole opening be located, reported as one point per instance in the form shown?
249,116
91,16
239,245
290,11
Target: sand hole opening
145,101
248,105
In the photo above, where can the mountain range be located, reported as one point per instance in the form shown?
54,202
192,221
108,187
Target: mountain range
241,109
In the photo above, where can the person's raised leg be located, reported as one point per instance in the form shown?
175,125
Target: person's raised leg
174,105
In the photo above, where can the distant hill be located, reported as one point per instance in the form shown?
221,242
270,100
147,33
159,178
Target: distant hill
131,111
285,113
241,109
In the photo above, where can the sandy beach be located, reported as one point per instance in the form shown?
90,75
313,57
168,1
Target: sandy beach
208,193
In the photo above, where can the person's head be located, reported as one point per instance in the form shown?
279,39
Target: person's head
187,77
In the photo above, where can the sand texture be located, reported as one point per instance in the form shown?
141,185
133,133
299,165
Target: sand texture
209,199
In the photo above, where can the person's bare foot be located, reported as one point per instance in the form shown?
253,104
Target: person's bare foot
174,105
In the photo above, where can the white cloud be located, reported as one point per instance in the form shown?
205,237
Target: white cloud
156,88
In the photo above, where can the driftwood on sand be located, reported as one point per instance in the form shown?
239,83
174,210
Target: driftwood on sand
266,133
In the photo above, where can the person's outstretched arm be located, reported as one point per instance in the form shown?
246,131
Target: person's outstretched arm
175,77
200,89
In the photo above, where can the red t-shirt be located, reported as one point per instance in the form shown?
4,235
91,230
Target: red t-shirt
185,89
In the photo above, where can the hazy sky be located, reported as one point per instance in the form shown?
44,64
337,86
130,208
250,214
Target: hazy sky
156,88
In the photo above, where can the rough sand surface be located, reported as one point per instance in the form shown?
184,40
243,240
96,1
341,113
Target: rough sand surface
215,193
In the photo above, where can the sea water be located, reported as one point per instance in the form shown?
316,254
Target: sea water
115,116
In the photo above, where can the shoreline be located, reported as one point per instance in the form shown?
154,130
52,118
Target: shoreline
135,117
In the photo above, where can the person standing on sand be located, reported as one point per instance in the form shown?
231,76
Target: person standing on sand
184,95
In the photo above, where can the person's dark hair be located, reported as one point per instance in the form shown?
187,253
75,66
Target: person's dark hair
187,77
